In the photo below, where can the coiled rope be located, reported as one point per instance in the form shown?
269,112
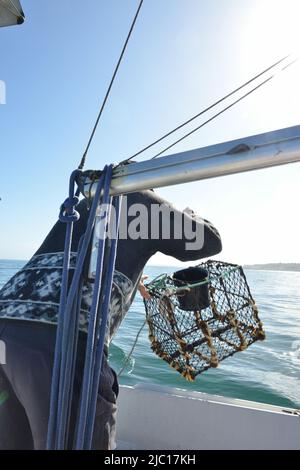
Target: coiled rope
68,320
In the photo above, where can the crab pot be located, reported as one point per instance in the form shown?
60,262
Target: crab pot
209,323
195,298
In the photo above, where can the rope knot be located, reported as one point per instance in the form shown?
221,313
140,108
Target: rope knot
67,210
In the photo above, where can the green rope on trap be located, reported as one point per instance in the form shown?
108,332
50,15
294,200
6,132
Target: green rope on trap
157,283
192,341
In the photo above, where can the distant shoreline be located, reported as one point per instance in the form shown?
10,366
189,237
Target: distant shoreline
291,267
294,267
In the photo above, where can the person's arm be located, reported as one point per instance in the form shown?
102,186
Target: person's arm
142,288
191,237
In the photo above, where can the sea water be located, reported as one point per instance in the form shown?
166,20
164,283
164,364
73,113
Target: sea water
267,371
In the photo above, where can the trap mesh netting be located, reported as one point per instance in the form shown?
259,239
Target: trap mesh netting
199,316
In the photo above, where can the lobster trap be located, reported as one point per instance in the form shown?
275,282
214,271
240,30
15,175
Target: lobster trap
199,316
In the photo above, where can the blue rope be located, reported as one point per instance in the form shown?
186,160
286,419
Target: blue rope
104,309
64,387
67,330
92,333
72,360
69,215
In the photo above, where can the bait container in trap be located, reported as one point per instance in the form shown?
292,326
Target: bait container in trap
199,316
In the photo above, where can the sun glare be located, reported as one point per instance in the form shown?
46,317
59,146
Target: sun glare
268,33
271,29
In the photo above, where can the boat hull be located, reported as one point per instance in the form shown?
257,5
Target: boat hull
155,417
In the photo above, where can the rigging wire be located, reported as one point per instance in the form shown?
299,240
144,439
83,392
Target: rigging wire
83,159
205,110
226,108
212,118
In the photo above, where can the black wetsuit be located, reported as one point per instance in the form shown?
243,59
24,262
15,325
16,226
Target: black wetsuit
28,314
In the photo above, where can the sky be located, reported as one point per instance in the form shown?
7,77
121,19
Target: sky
183,55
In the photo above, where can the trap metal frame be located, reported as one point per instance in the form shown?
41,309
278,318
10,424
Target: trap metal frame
192,341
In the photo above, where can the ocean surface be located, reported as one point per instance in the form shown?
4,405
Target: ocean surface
267,371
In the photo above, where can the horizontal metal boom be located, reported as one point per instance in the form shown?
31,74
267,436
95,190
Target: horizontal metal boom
250,153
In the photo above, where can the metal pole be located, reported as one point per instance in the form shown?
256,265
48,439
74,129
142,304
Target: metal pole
250,153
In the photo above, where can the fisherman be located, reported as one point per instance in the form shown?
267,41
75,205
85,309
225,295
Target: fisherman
29,306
